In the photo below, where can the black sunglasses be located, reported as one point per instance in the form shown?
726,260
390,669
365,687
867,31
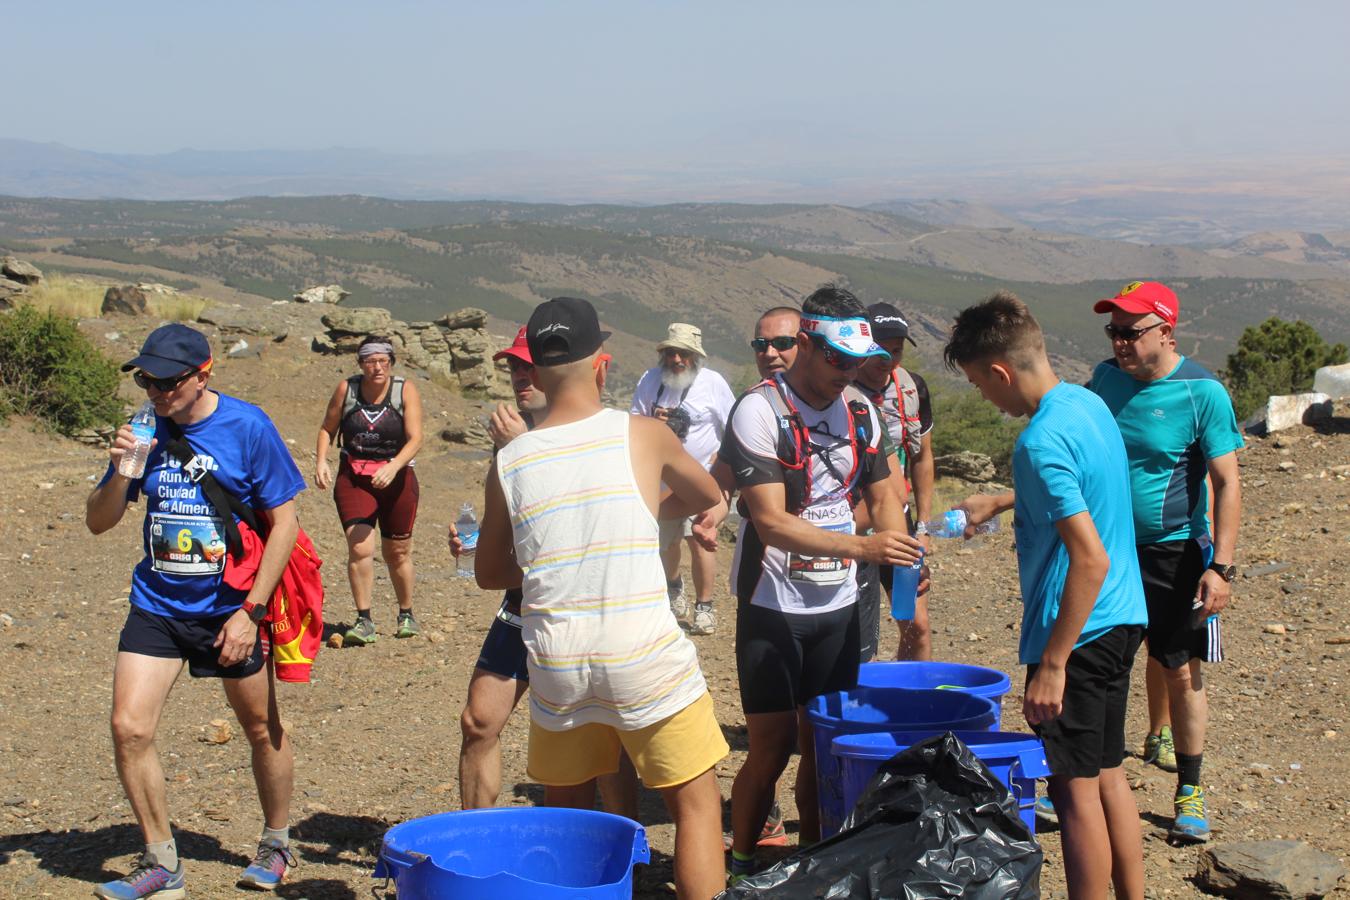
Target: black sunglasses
780,343
163,385
1129,335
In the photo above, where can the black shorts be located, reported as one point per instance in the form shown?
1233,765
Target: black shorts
1089,735
1171,572
503,651
785,659
149,634
869,611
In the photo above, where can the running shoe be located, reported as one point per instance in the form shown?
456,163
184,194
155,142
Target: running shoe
1191,825
1045,813
704,620
773,834
1160,750
679,604
360,634
269,867
407,626
147,879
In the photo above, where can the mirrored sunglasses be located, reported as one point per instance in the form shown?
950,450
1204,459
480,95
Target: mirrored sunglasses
163,385
841,361
781,343
1127,334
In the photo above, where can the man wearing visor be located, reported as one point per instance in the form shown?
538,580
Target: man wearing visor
800,447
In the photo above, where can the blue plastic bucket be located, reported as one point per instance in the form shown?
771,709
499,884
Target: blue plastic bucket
975,680
864,710
1017,760
513,854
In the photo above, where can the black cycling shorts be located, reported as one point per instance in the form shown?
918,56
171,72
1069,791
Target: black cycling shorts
189,639
1171,572
503,651
783,660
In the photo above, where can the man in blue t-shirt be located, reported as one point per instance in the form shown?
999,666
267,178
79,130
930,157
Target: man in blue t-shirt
1084,612
1178,424
181,609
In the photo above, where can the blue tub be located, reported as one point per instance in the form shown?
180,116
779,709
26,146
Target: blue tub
946,676
864,710
1017,760
513,854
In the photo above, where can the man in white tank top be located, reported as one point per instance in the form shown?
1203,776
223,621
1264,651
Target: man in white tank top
570,516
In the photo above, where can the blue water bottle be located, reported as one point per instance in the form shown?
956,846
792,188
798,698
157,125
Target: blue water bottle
905,590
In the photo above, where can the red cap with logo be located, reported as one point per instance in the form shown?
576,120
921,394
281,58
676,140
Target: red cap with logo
520,349
1141,297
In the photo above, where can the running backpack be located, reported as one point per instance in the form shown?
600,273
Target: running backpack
794,442
350,400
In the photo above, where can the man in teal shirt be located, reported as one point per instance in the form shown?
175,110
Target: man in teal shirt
1178,424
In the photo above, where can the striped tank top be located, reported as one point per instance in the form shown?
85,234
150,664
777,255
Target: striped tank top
603,645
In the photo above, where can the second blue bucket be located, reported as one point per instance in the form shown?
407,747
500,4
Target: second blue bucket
944,676
864,710
530,853
1017,760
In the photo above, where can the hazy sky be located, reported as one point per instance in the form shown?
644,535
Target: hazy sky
708,86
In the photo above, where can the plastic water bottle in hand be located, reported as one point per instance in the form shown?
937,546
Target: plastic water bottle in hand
467,527
952,524
132,464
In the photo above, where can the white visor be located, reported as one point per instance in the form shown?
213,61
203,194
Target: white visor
851,336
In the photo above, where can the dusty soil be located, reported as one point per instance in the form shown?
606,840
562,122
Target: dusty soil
376,734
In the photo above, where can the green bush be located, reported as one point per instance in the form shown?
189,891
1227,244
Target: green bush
50,370
1276,357
963,420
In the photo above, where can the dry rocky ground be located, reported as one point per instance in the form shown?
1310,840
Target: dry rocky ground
376,734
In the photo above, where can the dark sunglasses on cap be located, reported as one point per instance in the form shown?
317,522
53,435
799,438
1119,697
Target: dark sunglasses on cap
1127,334
781,343
841,361
163,385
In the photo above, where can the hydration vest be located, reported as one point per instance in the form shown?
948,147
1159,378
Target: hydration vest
352,399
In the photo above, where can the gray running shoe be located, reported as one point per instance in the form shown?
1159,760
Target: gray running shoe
704,620
679,604
407,626
360,634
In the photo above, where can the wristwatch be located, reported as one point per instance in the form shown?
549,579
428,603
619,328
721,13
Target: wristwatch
256,612
1226,572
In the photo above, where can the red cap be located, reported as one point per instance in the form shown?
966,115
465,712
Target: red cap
520,349
1140,297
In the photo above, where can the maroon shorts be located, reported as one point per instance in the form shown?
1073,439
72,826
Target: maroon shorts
359,503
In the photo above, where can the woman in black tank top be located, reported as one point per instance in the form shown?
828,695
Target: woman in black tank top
378,417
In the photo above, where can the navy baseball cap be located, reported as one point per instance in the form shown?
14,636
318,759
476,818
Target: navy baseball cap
888,322
171,350
563,330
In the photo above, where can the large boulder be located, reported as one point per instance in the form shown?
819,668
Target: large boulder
9,291
127,300
468,317
1334,381
1260,869
20,271
326,293
1287,410
469,348
358,320
965,465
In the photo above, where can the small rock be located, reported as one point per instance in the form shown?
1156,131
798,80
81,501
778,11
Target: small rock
1267,869
6,620
1273,628
434,637
1293,587
238,348
335,641
1287,466
973,637
1267,569
1290,508
218,731
46,485
1329,734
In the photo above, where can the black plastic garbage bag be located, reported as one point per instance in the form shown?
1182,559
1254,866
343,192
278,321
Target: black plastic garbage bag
934,822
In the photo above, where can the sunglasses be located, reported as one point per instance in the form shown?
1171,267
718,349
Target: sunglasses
781,343
841,361
163,385
1129,335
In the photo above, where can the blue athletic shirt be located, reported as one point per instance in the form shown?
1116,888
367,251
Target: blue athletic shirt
1172,427
180,576
1068,459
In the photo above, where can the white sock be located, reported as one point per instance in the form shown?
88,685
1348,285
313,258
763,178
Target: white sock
280,837
165,853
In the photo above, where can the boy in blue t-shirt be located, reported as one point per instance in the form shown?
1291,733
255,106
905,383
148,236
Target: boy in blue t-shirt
181,608
1084,612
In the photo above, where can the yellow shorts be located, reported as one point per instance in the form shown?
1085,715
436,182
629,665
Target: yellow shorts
668,753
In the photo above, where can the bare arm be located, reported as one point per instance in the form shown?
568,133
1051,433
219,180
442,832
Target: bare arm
923,476
107,503
412,434
779,528
495,566
1213,593
692,489
1088,565
862,515
980,508
328,429
235,638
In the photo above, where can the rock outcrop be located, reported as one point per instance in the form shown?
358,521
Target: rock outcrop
17,270
327,293
965,465
127,300
1255,869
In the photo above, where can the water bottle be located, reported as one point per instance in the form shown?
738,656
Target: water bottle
467,526
143,428
952,524
905,590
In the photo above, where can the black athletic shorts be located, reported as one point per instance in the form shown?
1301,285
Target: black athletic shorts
785,659
1171,572
190,639
1089,735
869,611
503,651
